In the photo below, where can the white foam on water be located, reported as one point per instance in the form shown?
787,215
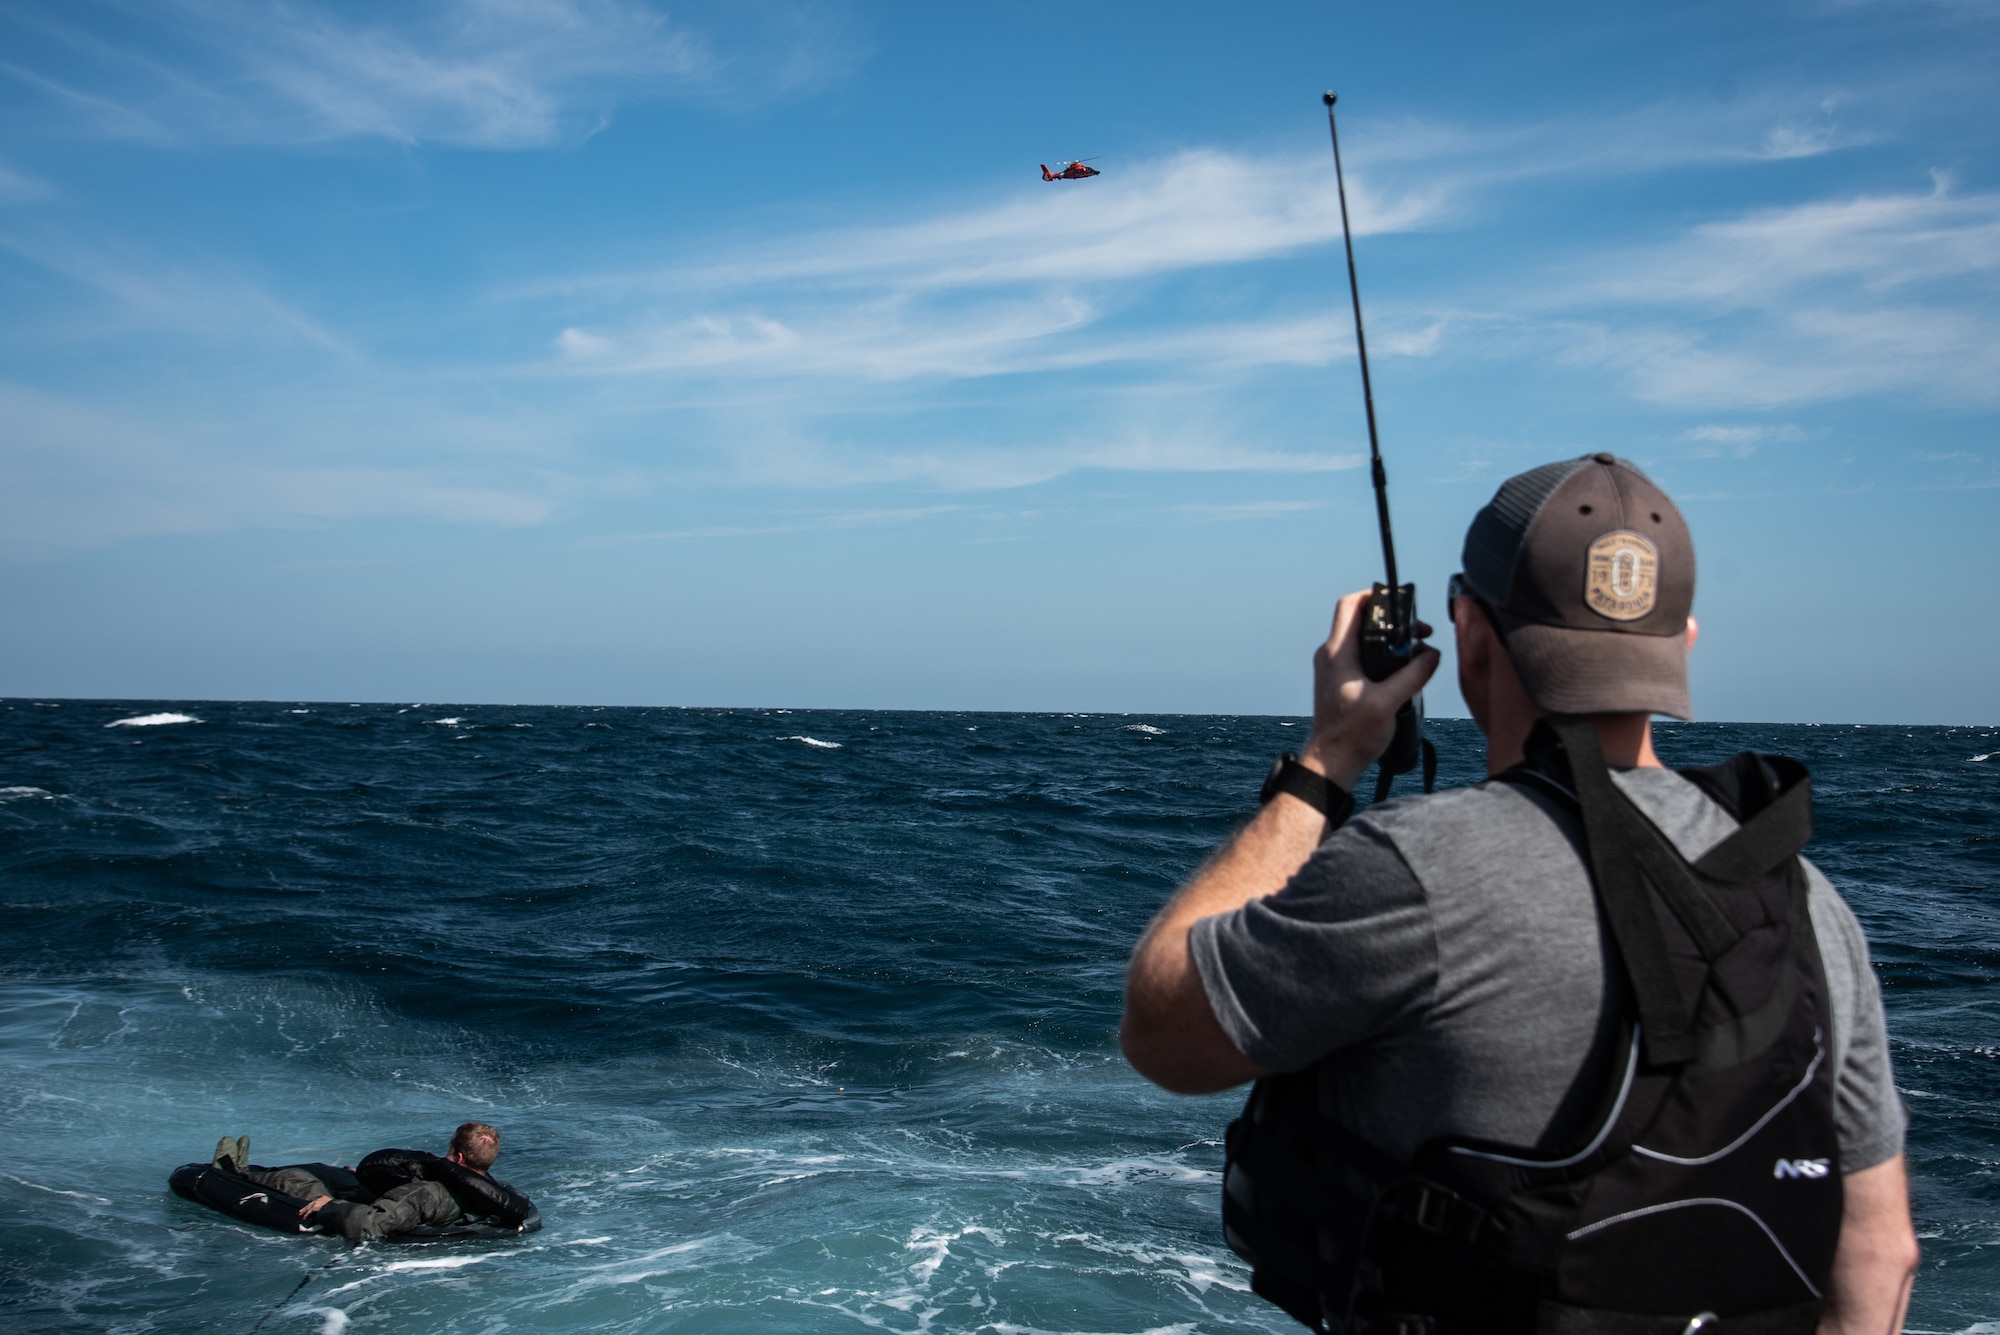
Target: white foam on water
57,1191
1010,1328
335,1320
814,741
1205,1272
1146,728
934,1245
406,1267
681,1258
1122,1171
1200,1272
1988,756
9,794
151,720
450,722
432,1263
298,711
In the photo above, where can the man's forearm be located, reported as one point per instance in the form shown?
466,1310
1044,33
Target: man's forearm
1170,1034
1264,855
1876,1261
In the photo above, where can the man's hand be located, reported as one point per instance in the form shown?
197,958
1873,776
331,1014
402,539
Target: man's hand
1170,1034
311,1207
1354,718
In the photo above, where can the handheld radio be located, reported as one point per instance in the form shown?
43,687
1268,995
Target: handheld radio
1388,634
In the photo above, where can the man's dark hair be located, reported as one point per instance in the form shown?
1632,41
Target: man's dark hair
476,1143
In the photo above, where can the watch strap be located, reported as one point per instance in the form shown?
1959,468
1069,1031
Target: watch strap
1314,789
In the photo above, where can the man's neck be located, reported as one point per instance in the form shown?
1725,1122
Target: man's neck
1626,739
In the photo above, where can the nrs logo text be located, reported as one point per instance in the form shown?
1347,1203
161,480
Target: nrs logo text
1800,1168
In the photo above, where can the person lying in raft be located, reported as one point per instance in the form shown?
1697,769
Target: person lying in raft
413,1188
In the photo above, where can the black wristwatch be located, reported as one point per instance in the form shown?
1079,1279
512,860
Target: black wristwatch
1315,790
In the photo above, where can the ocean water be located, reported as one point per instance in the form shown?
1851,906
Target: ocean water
790,1021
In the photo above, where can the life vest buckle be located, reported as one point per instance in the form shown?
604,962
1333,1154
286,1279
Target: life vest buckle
1436,1209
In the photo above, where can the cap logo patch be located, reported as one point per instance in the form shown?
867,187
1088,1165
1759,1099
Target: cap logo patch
1623,576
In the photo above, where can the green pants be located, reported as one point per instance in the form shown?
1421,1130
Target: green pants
403,1208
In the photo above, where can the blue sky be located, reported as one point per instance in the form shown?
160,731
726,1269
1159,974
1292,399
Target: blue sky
593,351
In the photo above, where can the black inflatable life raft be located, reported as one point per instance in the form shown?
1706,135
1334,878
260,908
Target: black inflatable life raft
239,1197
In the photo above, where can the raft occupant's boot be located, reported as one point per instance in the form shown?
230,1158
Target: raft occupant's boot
225,1155
243,1154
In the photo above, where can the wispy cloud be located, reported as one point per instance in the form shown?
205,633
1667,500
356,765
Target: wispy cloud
1824,301
962,461
1030,283
325,433
1192,209
1718,440
1151,314
19,188
892,341
136,288
474,73
810,523
1670,134
1045,280
1206,206
75,475
1811,303
1717,434
1247,510
1876,243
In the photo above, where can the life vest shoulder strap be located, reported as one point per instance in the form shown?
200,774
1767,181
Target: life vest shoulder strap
1614,856
1771,796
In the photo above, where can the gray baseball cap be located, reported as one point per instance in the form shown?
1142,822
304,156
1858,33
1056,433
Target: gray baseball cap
1589,571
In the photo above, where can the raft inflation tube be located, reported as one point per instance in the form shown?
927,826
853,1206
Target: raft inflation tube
489,1201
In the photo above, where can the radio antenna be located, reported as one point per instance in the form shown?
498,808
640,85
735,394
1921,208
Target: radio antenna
1380,474
1389,629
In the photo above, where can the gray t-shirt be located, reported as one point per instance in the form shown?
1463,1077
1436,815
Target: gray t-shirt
1444,951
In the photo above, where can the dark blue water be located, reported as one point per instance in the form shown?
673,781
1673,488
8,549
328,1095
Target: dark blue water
798,1021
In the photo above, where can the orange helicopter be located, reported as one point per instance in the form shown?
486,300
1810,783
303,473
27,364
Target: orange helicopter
1070,171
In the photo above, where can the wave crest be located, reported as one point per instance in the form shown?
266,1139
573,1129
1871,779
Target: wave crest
151,720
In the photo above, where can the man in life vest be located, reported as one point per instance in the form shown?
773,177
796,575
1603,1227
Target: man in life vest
1585,1048
412,1188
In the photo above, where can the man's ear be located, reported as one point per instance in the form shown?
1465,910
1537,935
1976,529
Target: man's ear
1694,630
1474,634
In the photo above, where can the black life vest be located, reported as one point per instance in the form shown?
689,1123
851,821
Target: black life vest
1707,1187
477,1194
